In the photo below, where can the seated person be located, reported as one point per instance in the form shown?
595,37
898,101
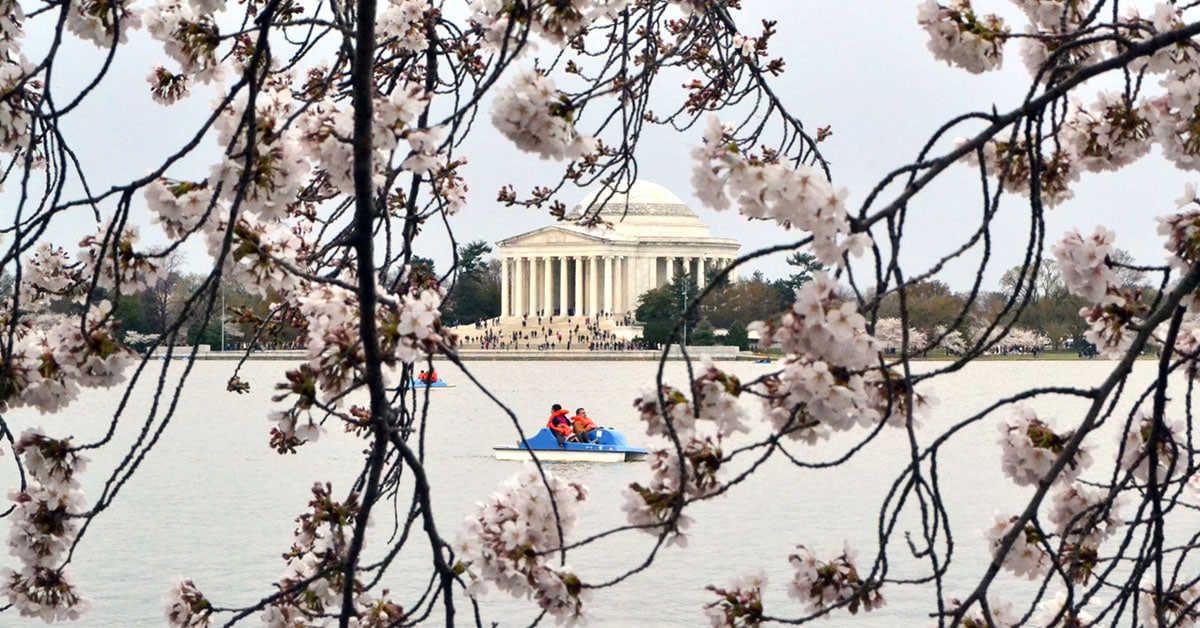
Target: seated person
584,427
559,424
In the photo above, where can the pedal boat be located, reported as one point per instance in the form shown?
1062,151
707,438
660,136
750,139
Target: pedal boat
609,446
418,384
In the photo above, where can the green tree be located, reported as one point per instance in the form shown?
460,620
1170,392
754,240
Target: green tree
738,337
661,308
745,301
929,304
806,265
475,294
704,334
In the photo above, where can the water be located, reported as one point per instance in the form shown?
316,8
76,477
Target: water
212,502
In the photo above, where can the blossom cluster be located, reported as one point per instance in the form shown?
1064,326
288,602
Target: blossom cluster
959,37
537,118
320,541
999,614
16,109
1083,519
831,379
112,257
512,538
103,23
1177,606
697,423
186,606
43,530
1030,448
1145,439
820,585
55,355
1018,162
1027,557
504,23
739,604
676,479
1087,271
765,188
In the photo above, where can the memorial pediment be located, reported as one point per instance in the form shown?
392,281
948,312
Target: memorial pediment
553,236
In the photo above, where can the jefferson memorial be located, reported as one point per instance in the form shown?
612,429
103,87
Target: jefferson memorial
646,236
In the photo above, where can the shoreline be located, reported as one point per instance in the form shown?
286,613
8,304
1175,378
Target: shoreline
508,355
490,355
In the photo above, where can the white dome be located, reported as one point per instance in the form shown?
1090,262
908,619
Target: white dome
644,198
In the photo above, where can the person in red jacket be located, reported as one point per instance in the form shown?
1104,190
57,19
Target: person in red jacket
584,427
559,424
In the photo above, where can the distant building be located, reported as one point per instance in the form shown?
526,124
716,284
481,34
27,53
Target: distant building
570,270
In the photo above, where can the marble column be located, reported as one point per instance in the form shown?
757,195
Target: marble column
562,285
670,270
578,285
700,272
618,282
518,308
548,287
631,293
504,308
608,283
593,267
533,284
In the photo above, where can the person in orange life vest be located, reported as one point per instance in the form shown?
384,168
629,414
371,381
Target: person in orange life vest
584,428
428,378
559,424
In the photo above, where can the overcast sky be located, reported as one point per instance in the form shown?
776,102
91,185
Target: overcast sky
857,67
865,71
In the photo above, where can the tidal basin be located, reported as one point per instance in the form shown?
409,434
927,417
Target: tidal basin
214,503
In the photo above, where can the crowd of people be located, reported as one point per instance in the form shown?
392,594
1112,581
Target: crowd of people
570,333
575,429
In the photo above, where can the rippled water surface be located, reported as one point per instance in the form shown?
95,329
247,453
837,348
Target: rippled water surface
214,503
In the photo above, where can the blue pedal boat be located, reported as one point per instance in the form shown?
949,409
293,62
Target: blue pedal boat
418,384
609,446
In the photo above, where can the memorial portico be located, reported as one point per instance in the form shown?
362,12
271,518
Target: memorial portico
570,270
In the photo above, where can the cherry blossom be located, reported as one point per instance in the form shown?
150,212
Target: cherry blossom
1026,557
1055,611
43,529
1084,263
999,614
657,507
513,536
1176,606
112,256
1084,516
102,23
795,197
836,582
1031,448
960,37
538,118
1110,135
1136,449
739,604
186,606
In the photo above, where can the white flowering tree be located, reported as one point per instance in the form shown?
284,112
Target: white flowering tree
339,131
